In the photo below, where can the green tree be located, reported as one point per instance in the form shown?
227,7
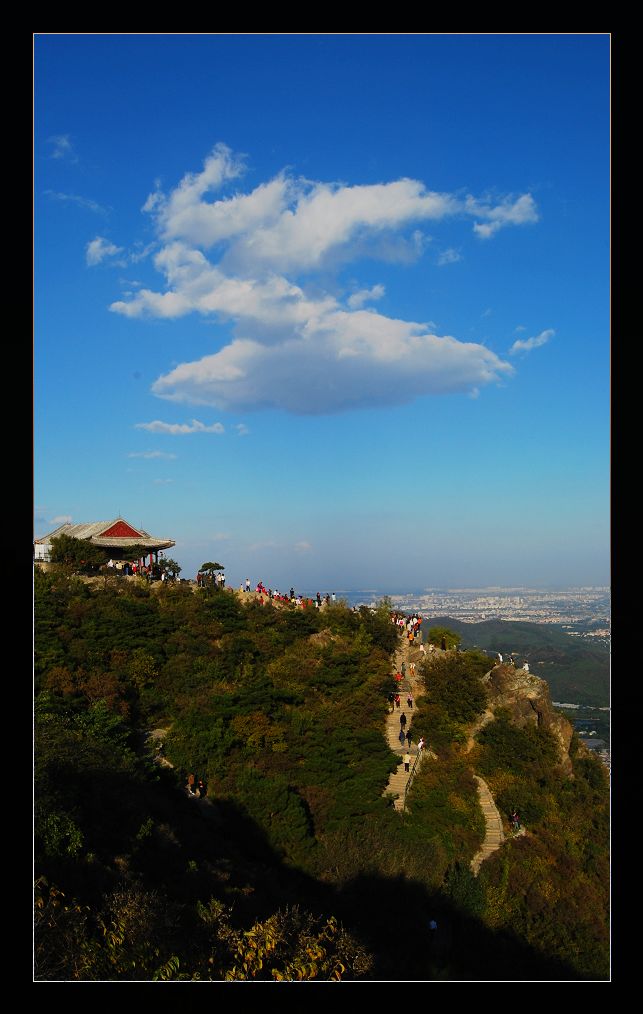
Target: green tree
208,568
453,685
437,634
171,566
77,554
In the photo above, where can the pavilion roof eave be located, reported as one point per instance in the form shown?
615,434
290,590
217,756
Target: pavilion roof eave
116,543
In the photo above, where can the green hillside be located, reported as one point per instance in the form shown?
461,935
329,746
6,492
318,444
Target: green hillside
577,672
294,865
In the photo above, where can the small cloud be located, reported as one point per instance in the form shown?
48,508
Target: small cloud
302,547
531,343
162,482
141,252
220,537
522,211
150,454
82,202
98,249
61,519
269,544
62,148
487,312
358,299
242,429
485,230
521,327
154,199
449,256
180,428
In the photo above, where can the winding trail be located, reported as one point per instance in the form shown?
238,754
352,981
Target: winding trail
494,833
399,779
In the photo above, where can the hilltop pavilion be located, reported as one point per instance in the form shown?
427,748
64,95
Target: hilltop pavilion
116,536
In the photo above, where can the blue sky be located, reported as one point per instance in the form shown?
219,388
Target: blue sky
331,310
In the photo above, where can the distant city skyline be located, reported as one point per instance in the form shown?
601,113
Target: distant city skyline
332,310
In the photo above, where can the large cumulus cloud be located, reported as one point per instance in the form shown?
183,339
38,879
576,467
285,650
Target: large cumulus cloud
256,259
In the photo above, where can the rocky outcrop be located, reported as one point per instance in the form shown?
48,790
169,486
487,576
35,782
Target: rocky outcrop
526,698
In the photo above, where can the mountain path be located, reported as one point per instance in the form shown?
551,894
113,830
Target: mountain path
494,833
405,653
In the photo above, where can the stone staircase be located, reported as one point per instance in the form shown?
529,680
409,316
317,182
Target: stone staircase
398,781
494,835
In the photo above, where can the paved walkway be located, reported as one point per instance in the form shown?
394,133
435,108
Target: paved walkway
399,779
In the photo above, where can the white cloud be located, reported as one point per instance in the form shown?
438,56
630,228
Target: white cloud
357,300
82,202
180,428
242,429
346,361
302,547
98,249
531,343
291,224
62,147
150,454
61,519
242,258
521,211
162,482
141,252
449,256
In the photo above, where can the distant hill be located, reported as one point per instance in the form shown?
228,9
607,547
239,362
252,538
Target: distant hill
577,672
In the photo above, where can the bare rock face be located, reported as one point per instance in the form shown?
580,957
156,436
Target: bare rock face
526,698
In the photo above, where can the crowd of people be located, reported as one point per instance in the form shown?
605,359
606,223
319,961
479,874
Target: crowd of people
207,578
152,571
288,598
409,625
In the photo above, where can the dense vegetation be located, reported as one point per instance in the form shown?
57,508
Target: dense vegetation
295,865
558,906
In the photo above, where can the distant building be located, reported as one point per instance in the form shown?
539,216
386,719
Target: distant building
116,536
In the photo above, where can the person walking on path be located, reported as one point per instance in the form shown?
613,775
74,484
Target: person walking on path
409,737
409,701
407,761
402,720
397,700
421,744
401,737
